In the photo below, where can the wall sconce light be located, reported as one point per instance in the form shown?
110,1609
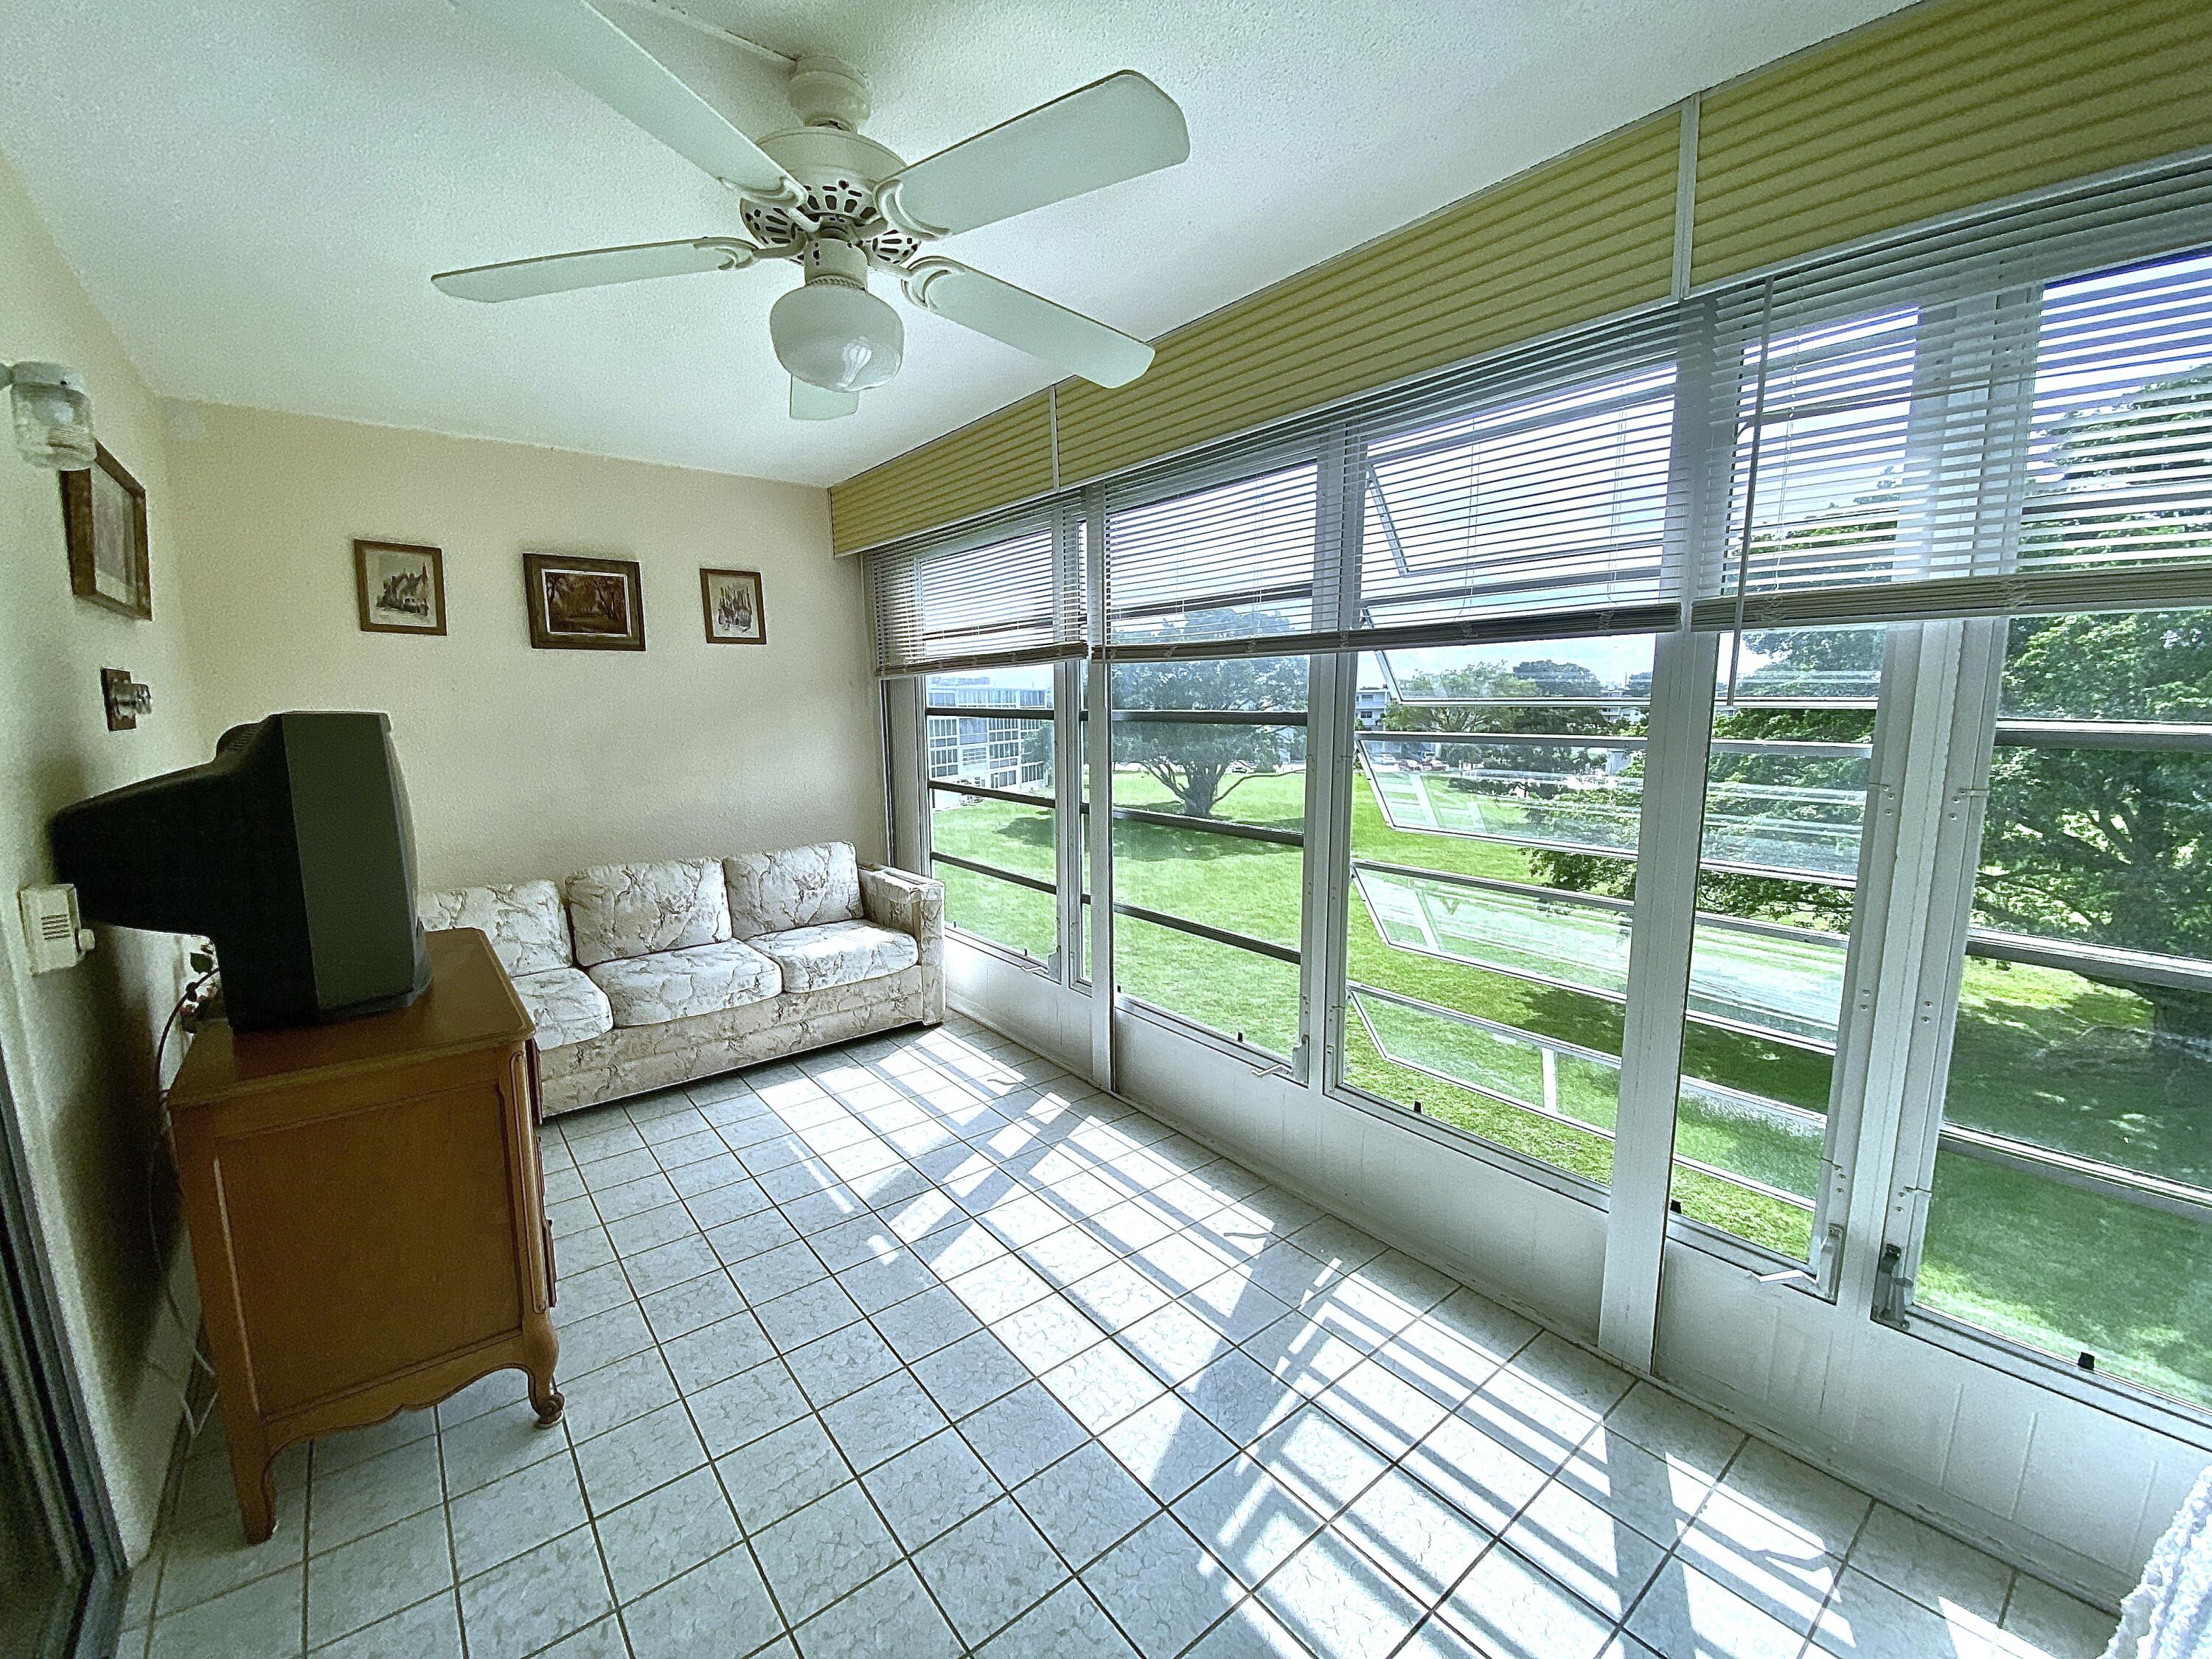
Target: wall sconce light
54,416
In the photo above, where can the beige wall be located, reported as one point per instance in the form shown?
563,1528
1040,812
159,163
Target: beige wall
78,1044
526,763
520,763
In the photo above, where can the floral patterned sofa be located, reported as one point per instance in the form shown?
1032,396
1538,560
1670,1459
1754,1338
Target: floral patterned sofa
643,975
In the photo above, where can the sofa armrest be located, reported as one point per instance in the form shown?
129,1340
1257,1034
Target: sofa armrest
902,902
908,903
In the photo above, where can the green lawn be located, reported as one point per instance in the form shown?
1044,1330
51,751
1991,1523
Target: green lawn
2042,1055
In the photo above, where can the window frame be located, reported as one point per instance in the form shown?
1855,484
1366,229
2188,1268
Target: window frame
1959,762
1910,933
925,712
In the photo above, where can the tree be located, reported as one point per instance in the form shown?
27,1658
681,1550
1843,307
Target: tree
2108,846
1201,762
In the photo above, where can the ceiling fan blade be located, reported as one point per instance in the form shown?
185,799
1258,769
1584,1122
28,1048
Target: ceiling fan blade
559,273
575,39
810,402
1097,134
1027,321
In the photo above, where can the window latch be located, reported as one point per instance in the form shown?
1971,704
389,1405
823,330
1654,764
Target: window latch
1893,1290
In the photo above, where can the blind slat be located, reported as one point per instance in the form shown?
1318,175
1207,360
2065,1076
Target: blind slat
2008,414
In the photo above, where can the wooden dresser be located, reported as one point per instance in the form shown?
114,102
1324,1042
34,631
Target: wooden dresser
367,1214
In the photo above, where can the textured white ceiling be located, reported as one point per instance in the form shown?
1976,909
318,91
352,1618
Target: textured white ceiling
254,193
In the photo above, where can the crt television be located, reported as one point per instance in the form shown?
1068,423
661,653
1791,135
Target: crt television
292,849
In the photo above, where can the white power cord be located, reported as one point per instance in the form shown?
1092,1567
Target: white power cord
194,994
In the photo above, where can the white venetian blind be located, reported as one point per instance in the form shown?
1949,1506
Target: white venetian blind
2009,416
996,593
1217,556
1526,495
1531,496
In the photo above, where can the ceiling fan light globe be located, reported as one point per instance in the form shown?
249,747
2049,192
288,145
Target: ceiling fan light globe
838,337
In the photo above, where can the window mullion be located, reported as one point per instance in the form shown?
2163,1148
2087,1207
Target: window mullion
1332,683
1067,762
1098,757
1667,851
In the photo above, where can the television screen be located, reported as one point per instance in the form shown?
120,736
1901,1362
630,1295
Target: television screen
292,849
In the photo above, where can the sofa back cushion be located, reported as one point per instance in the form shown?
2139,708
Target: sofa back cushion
527,928
798,887
620,911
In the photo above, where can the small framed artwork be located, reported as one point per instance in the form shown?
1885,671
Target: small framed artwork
104,521
584,604
732,603
401,588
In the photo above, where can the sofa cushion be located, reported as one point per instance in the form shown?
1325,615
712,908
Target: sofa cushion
527,928
836,953
568,1007
798,887
701,979
635,909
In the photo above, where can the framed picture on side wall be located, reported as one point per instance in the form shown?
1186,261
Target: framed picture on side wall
104,522
584,604
401,589
732,603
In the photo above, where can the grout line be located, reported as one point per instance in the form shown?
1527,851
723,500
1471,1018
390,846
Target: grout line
1014,1170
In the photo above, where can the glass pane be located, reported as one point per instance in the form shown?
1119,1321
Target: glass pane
1004,911
1790,984
1785,795
1768,1145
1787,984
2141,665
1273,685
1241,774
1609,670
2114,1073
1570,942
1801,665
2105,846
1495,1061
1001,753
1748,1214
1580,796
2068,1271
998,833
1516,765
1027,687
996,754
1251,998
1829,411
2087,1061
1228,882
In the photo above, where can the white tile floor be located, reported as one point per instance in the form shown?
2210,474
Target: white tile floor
919,1347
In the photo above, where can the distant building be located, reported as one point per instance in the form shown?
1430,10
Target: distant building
1004,753
1373,702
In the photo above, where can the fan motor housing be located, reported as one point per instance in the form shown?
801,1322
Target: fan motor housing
840,171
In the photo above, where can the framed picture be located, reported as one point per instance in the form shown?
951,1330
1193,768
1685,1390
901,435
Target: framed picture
731,599
402,589
584,604
104,519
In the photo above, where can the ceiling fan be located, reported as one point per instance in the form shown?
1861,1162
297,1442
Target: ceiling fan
836,204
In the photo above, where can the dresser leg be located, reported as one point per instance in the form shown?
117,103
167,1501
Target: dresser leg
541,1350
257,1495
